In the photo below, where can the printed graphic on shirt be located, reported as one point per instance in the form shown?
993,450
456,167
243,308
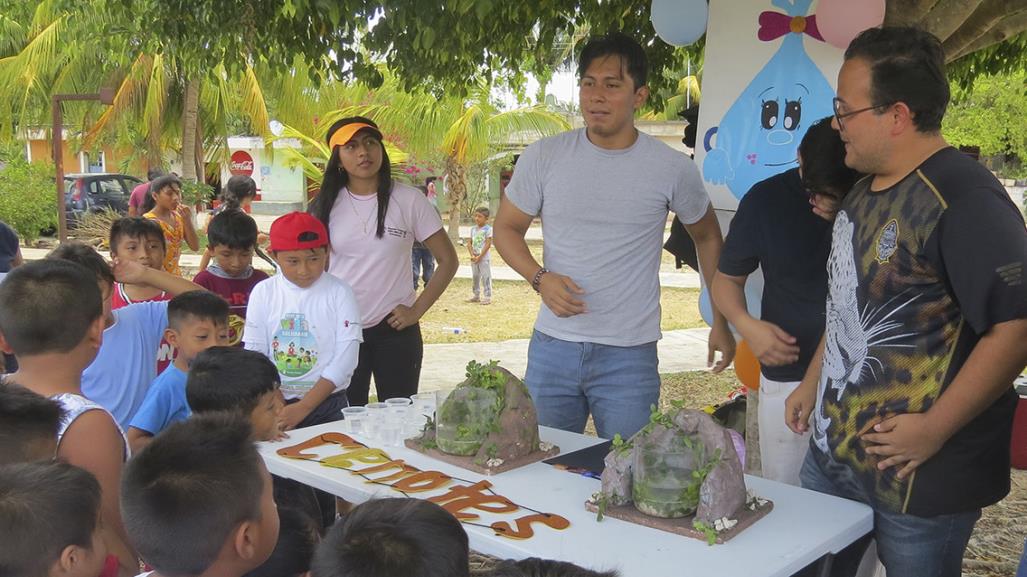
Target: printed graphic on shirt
236,324
887,241
890,334
294,346
478,237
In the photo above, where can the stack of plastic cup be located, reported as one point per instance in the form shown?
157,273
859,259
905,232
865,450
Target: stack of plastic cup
353,419
375,421
398,415
423,410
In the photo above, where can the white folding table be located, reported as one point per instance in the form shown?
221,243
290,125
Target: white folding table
803,526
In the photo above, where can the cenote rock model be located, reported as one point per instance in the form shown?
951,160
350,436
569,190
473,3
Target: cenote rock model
489,416
681,463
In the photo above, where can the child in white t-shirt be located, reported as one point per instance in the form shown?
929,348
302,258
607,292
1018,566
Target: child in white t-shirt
306,322
480,245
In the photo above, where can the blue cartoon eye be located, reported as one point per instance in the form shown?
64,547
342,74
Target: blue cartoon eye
793,113
768,118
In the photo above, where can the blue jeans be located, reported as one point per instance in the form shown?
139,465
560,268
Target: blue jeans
568,380
422,258
1022,571
908,545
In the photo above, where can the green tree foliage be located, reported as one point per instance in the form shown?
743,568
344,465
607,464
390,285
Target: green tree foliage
449,45
990,115
27,200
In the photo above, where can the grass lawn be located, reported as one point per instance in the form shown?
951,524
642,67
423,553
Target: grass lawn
514,307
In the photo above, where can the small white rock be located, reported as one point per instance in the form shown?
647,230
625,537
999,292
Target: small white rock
494,462
544,446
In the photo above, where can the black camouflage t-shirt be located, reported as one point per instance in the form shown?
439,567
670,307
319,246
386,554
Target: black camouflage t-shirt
917,273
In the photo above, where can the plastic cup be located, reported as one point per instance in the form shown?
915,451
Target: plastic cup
390,433
353,419
425,403
423,409
399,402
375,419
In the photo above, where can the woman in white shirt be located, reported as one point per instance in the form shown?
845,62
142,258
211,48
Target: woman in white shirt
372,223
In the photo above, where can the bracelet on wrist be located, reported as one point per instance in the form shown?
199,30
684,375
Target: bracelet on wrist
536,282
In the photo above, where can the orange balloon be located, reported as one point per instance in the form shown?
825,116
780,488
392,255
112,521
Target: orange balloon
747,367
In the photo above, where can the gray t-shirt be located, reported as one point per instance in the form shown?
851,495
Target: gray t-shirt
603,215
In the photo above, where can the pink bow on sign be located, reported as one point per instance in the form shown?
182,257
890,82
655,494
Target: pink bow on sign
774,25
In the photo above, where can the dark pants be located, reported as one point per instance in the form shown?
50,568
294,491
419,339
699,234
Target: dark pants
423,260
330,410
393,357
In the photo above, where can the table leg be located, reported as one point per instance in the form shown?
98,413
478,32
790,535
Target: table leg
824,565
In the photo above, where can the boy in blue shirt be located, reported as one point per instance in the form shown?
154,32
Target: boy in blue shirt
123,369
197,321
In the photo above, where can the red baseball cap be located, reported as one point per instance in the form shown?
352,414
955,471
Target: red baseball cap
297,231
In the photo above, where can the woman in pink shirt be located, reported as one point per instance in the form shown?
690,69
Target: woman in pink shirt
372,224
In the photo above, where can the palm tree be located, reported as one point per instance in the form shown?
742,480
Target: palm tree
154,95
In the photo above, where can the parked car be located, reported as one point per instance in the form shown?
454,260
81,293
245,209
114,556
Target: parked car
94,192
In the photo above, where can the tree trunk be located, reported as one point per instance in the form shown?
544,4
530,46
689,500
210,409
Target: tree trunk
964,26
456,182
190,112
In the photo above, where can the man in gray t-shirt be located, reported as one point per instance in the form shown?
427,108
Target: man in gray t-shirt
604,193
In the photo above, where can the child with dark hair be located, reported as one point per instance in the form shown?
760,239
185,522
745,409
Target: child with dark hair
50,521
309,309
28,425
198,500
141,240
480,248
230,379
234,380
164,206
777,230
535,567
232,241
124,366
51,317
298,537
239,193
197,321
141,191
386,537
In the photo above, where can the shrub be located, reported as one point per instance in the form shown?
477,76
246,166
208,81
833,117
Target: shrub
28,201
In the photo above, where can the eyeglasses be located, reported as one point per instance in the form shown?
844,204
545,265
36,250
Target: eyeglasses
839,115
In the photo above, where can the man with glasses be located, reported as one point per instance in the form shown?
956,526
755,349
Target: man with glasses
910,390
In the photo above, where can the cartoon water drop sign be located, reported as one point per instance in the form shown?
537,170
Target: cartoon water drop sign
759,134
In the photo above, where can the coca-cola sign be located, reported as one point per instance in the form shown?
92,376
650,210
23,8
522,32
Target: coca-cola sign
241,163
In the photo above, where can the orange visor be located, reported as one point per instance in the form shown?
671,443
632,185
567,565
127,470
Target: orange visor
347,132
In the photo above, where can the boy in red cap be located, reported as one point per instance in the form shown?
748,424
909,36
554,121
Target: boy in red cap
306,322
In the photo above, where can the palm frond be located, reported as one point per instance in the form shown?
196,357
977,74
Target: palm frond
253,105
129,93
12,36
156,98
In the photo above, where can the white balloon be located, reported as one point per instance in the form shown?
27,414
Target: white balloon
679,22
753,299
